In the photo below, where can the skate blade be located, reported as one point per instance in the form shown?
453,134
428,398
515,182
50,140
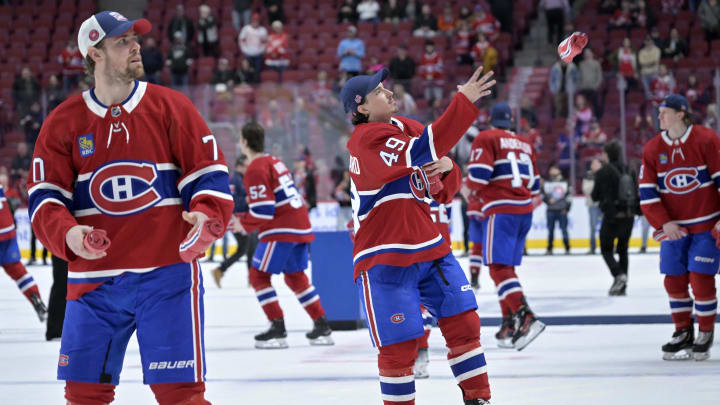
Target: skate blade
698,356
505,343
421,374
536,329
322,341
271,344
682,355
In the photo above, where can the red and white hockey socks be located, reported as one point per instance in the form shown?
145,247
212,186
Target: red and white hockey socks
508,287
476,258
397,382
680,302
22,278
422,342
180,393
703,287
265,293
465,355
305,293
80,393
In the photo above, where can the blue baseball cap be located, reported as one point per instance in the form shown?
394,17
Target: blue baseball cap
355,89
676,102
500,115
108,24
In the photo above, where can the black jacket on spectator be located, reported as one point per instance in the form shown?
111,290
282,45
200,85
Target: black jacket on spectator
402,69
152,59
276,14
55,96
225,76
422,21
182,24
31,124
179,55
20,163
397,12
347,14
24,93
605,191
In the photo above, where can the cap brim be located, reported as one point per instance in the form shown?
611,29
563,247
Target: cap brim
140,26
376,79
504,124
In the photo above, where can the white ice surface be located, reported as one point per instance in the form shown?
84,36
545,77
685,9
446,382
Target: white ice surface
603,365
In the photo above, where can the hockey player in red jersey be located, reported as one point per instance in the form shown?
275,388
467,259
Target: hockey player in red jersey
137,161
679,183
10,257
278,211
400,259
502,171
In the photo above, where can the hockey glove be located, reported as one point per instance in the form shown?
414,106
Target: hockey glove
436,184
716,233
96,241
196,244
572,46
660,236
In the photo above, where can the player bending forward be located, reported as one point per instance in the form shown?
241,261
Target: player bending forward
10,258
280,214
679,183
400,259
502,171
133,159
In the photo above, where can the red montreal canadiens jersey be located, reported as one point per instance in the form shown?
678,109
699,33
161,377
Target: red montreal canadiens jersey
7,223
130,169
389,191
502,174
276,207
680,179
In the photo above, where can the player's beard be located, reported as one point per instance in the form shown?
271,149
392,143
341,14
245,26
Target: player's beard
133,71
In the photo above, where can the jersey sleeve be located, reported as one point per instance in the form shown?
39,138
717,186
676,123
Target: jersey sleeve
481,163
50,189
534,183
712,157
204,185
452,182
650,202
261,198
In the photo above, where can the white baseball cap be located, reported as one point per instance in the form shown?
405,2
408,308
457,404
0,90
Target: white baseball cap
108,24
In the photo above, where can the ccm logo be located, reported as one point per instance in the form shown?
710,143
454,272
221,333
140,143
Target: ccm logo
166,365
466,287
397,318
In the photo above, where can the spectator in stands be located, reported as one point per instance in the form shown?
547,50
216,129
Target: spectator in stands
425,23
593,207
242,10
675,47
246,72
374,66
672,6
530,133
594,136
648,62
557,196
528,111
152,59
623,17
555,12
368,11
55,93
662,86
412,9
277,51
31,123
275,10
484,54
607,6
20,162
347,13
591,78
431,71
463,40
223,74
465,15
351,52
182,24
393,11
657,39
627,64
564,78
73,65
583,115
402,67
25,91
446,23
709,13
693,92
208,36
405,102
642,16
711,115
179,60
486,23
252,41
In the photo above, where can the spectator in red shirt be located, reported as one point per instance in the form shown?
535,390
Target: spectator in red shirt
463,39
485,23
595,136
623,17
276,50
431,71
484,54
73,65
627,64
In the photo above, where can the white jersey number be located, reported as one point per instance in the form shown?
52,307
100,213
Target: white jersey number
395,144
515,168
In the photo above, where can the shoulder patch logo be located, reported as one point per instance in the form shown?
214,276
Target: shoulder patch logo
663,158
87,145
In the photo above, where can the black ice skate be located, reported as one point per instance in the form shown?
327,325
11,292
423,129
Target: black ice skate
477,401
702,345
527,327
474,281
39,307
274,338
421,364
320,335
680,346
619,285
505,334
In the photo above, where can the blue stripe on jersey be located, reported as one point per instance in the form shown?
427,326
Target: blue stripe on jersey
397,250
505,169
706,307
473,363
282,194
479,173
678,304
263,210
648,193
536,186
399,186
25,282
165,185
717,181
420,151
397,389
217,180
502,290
40,195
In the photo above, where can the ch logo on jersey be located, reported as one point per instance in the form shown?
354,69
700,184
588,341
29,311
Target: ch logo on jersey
682,180
419,183
124,188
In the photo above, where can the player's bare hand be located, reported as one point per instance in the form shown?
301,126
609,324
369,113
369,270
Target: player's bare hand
475,88
195,218
236,226
672,231
443,165
74,239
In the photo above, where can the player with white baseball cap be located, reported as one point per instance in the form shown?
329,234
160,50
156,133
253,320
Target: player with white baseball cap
108,24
